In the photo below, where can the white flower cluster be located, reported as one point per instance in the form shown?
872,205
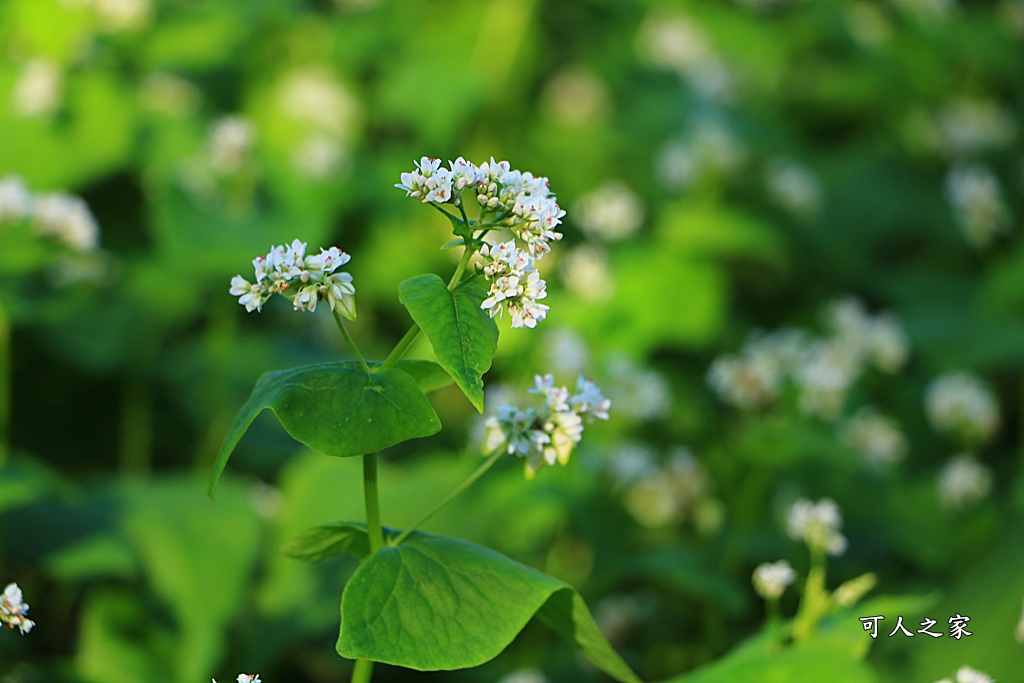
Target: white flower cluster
966,674
516,200
547,435
823,369
963,481
13,609
967,126
246,678
305,279
324,111
63,217
817,525
515,284
961,404
771,579
876,437
587,273
709,147
793,187
672,40
978,203
656,494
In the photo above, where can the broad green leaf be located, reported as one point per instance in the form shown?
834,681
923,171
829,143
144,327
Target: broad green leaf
440,603
463,336
320,542
337,409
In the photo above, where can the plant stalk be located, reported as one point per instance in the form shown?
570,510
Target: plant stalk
351,342
373,526
362,671
493,458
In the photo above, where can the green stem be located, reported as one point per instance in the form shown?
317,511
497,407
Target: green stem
362,671
463,262
5,382
373,527
351,342
454,493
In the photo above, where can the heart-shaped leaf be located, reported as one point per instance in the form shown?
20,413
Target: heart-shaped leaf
337,409
463,336
440,603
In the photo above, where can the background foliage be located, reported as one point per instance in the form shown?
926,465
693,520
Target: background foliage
726,166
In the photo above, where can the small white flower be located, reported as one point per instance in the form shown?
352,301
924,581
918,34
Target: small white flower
966,674
13,609
962,404
15,200
876,437
229,144
978,203
66,218
963,482
38,90
611,212
771,579
794,187
816,524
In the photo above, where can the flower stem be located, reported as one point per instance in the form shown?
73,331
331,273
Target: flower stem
463,262
497,453
373,527
362,671
351,342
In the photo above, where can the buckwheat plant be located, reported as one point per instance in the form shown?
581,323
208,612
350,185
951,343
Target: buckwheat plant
421,600
13,609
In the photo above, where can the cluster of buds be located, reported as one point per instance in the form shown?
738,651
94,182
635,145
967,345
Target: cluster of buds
13,609
245,678
305,279
514,282
817,525
62,217
547,435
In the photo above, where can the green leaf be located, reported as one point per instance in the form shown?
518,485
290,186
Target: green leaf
440,603
428,375
321,542
337,409
463,336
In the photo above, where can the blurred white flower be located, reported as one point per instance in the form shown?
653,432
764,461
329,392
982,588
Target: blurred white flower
816,524
631,461
966,674
751,379
879,340
793,186
609,213
978,204
319,156
229,144
640,393
524,676
576,96
38,89
825,376
13,609
15,200
617,616
961,404
876,437
709,146
565,351
771,579
587,274
246,678
314,96
674,41
122,15
1018,633
963,482
1012,14
968,126
169,94
676,491
66,218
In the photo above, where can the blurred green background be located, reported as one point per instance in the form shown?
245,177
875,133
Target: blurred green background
727,167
